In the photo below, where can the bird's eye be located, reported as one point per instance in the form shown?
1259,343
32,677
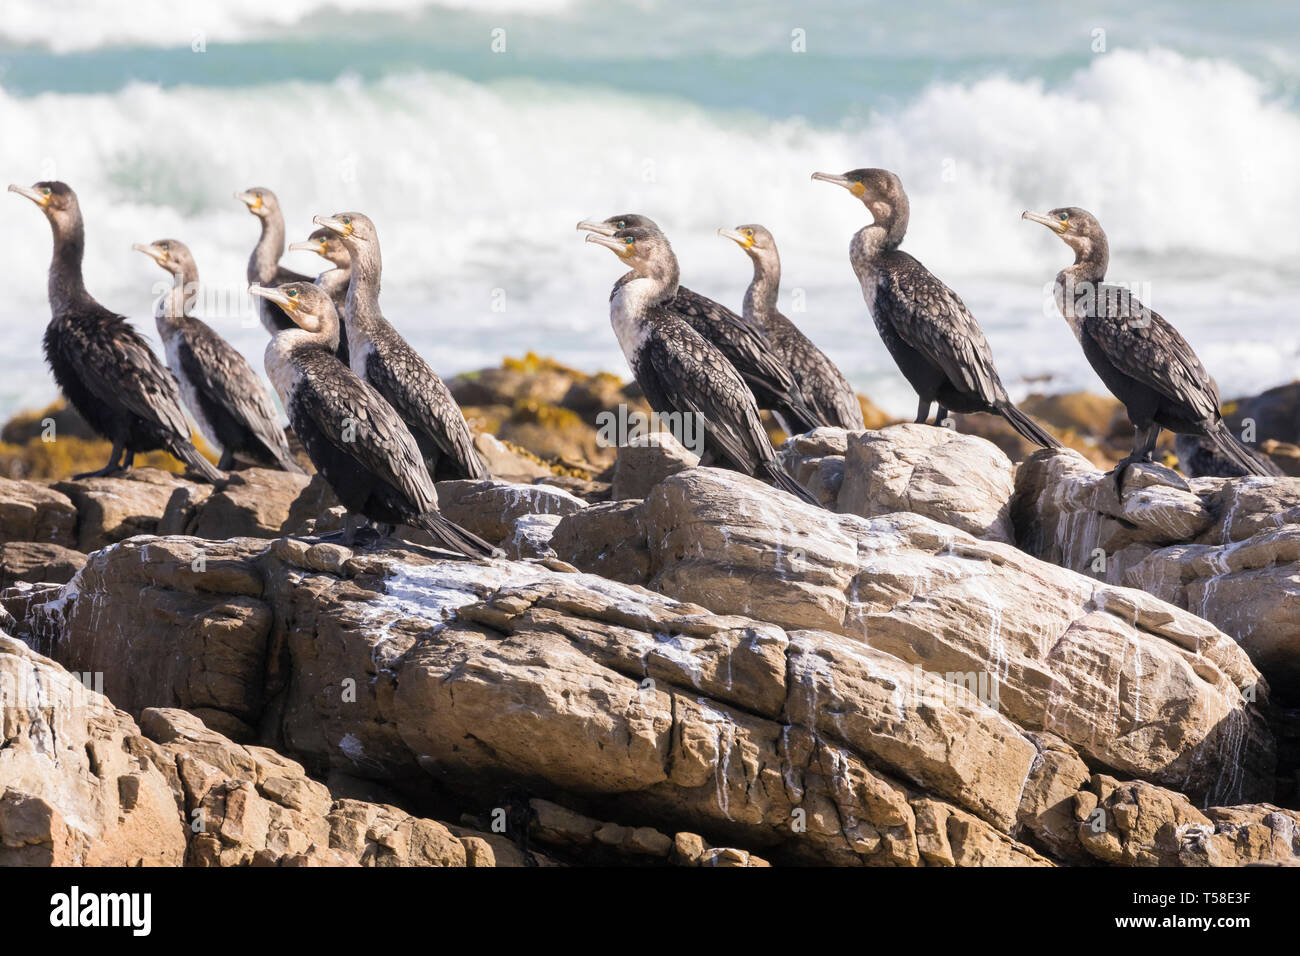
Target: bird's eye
347,221
750,233
163,246
629,241
292,293
46,190
1064,216
620,224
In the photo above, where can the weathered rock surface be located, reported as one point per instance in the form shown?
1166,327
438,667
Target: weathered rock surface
642,465
31,511
34,561
1226,549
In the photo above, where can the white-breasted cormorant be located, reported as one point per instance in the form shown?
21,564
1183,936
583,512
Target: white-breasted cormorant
1140,357
264,264
103,365
385,360
680,371
774,386
334,280
352,435
824,386
932,336
230,405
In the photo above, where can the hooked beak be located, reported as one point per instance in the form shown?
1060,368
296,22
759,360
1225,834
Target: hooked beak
620,248
34,195
152,251
1055,225
337,226
274,295
309,245
851,185
738,237
250,200
603,228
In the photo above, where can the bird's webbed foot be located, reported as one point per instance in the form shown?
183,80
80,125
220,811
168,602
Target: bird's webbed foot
117,465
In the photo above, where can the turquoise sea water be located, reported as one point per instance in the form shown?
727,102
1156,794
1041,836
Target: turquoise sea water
477,134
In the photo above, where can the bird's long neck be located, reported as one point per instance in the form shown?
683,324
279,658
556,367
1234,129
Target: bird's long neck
760,297
269,249
663,276
67,289
1090,261
177,302
363,286
340,277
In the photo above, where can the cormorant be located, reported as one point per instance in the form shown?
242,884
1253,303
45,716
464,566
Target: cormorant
824,387
934,339
353,437
1142,359
103,365
678,369
334,281
264,264
381,357
773,385
230,405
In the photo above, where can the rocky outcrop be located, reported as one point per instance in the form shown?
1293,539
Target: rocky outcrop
1226,549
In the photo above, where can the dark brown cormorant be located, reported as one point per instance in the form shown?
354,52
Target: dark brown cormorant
1142,359
679,370
103,366
230,405
824,387
934,339
264,264
334,281
773,385
381,357
353,437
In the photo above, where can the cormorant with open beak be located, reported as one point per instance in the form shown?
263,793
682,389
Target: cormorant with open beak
228,401
381,357
352,435
824,387
932,336
774,386
103,366
334,281
680,371
264,264
1142,359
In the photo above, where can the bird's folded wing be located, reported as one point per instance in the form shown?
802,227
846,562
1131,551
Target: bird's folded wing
754,353
423,398
221,373
121,369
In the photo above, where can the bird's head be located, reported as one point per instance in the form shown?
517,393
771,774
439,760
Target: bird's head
646,251
754,239
352,228
880,190
628,220
309,307
261,202
55,199
172,254
1078,229
326,244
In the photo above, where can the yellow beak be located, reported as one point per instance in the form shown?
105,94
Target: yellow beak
34,195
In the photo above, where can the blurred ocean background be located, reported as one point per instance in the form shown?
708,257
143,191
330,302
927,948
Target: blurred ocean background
1178,125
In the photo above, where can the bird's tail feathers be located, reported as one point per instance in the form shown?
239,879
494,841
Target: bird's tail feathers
187,453
1027,427
455,538
1244,457
782,479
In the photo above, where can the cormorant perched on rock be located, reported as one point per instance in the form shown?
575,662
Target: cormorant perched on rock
353,437
104,367
934,339
264,264
679,370
381,357
774,386
334,281
229,403
1142,359
824,387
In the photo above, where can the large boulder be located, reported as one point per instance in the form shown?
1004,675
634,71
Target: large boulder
31,511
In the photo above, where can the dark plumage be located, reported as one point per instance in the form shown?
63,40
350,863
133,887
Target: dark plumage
824,387
932,336
228,401
352,435
335,280
1142,359
264,264
774,386
679,371
385,360
103,366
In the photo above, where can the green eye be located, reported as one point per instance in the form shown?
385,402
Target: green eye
629,241
292,293
163,246
1064,216
621,224
46,190
347,221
